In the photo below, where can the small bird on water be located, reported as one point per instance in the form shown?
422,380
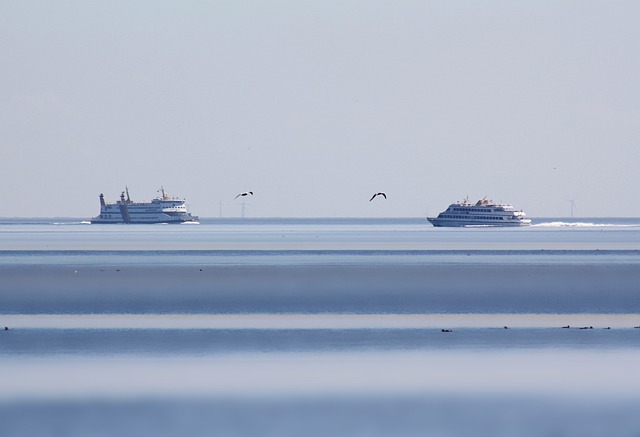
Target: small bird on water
246,193
378,194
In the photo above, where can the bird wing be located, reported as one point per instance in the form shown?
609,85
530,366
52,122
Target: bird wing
372,197
385,196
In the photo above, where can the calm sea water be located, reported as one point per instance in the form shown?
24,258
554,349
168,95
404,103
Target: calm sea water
319,327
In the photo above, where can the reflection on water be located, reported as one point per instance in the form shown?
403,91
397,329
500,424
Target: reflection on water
607,287
594,374
371,394
371,416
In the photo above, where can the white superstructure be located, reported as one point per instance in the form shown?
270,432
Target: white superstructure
482,213
164,209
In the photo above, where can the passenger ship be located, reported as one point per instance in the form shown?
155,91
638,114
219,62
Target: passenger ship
163,209
483,213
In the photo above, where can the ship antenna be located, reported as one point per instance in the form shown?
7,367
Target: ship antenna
127,190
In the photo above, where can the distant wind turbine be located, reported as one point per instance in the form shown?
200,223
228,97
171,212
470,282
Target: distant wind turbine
243,208
573,206
378,194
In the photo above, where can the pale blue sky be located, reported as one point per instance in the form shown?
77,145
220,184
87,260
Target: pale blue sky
316,105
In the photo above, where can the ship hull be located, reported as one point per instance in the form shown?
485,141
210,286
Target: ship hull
159,220
452,223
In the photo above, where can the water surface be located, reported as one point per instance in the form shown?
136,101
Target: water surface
319,327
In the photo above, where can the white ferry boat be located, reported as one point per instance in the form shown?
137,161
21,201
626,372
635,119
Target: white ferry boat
163,209
482,213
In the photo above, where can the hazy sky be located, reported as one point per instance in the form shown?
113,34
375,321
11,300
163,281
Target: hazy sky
316,105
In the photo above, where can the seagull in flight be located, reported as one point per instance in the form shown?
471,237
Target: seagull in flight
378,194
246,193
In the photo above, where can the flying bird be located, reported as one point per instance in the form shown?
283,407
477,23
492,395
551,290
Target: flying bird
378,194
246,193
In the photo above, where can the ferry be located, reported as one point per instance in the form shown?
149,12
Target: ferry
164,209
482,213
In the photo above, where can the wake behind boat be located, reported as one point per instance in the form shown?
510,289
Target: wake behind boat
482,213
165,209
